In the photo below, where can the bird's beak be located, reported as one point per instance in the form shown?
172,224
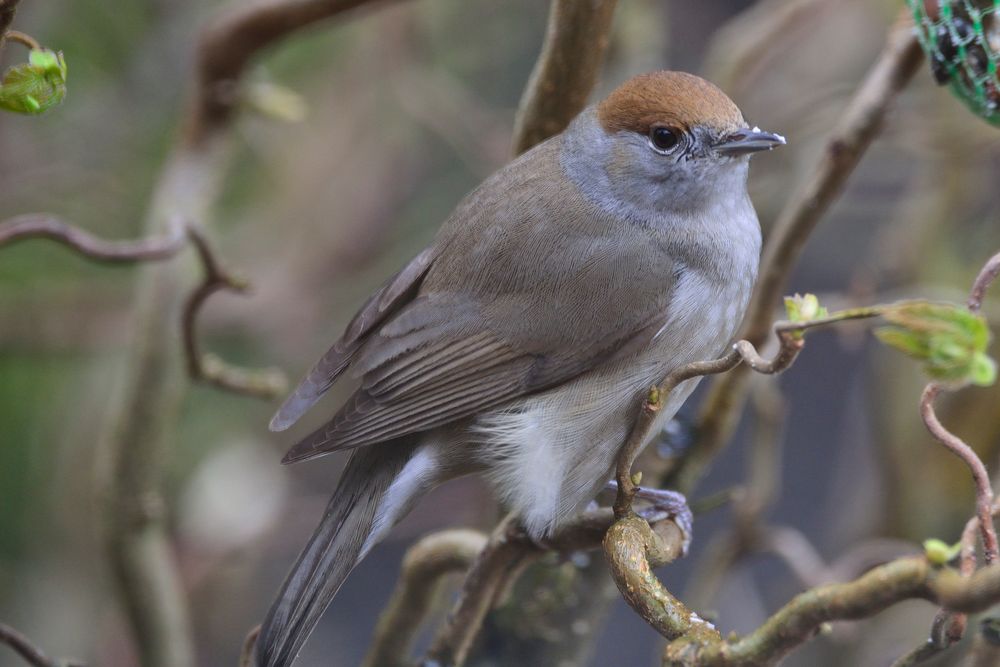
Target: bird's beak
747,141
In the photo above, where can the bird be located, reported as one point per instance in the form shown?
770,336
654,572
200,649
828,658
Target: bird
522,342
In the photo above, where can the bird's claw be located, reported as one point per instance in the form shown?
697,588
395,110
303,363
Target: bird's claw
664,504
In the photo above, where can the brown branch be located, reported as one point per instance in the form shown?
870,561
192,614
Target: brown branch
424,565
249,642
507,551
266,383
231,41
986,276
27,650
139,431
855,132
8,8
576,40
505,555
984,492
23,39
42,225
201,367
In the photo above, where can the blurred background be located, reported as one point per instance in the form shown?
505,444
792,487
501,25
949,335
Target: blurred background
409,107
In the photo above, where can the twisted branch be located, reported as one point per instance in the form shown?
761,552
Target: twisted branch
426,563
42,225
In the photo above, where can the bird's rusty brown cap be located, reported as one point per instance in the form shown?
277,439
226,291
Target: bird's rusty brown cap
674,99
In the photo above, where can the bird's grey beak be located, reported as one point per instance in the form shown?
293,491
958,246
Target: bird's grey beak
747,141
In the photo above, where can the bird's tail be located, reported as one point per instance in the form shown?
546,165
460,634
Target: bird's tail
355,519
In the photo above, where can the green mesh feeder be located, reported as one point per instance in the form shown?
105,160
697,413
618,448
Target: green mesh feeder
962,40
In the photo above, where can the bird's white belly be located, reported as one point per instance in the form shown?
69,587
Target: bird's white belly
550,453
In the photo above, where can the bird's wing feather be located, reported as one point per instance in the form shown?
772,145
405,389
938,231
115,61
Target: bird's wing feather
442,378
395,293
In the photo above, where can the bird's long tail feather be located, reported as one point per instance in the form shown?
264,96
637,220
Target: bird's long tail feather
333,550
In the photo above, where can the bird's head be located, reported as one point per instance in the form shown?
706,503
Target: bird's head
667,140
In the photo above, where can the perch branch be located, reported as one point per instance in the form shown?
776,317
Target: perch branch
28,651
424,566
506,553
576,40
858,127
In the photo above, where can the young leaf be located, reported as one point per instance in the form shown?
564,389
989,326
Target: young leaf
35,86
949,340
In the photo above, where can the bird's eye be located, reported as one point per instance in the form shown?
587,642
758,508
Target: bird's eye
664,139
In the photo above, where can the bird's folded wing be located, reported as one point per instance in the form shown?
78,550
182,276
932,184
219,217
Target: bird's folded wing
434,363
394,294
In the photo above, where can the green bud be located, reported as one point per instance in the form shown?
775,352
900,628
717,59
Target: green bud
939,552
804,308
35,86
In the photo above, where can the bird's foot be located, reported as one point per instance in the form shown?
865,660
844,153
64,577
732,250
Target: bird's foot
664,504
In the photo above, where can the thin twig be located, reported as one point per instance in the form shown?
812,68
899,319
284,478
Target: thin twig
858,127
575,42
249,642
984,492
43,225
28,651
265,383
138,434
231,41
8,8
986,276
23,39
424,566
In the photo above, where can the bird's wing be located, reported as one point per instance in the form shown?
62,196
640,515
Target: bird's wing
436,362
387,300
529,284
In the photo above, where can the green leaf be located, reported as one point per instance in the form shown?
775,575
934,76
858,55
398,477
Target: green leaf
949,340
35,86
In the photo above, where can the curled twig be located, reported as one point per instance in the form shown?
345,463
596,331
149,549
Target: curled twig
28,651
984,492
424,565
42,225
267,383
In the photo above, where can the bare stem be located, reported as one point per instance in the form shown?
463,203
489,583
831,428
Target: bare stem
30,653
986,276
984,492
42,225
7,10
267,383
